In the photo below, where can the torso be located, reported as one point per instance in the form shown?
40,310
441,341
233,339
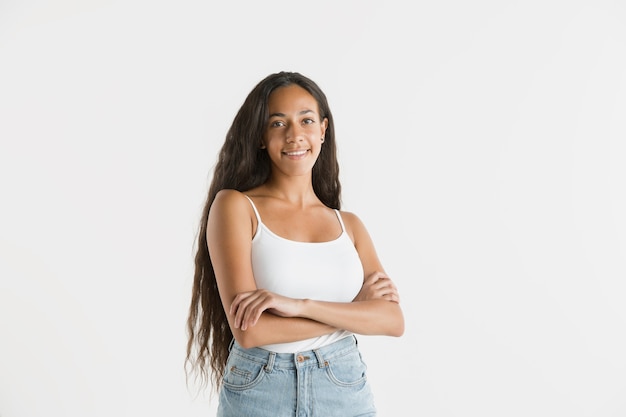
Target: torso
304,254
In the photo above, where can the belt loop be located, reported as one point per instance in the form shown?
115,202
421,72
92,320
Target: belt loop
270,362
320,360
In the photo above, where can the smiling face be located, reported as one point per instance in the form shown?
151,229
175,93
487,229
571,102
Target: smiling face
294,131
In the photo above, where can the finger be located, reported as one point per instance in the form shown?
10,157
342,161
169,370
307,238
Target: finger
391,297
386,292
375,276
387,295
242,310
238,299
235,307
255,308
382,283
395,295
242,306
390,286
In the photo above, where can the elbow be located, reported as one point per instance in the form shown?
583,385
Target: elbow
246,339
389,320
397,325
397,330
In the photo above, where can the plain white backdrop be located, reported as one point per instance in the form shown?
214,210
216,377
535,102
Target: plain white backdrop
482,143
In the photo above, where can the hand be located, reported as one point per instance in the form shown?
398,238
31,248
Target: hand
248,306
378,286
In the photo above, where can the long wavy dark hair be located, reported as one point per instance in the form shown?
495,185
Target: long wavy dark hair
241,166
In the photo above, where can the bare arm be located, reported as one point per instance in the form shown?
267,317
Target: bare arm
371,317
229,236
375,311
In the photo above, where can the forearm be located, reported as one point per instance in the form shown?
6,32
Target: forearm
271,329
372,317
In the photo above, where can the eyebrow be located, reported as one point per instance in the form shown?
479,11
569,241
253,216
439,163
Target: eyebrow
284,115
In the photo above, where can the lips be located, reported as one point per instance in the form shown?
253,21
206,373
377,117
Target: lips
298,152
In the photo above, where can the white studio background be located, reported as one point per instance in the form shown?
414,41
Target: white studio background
482,143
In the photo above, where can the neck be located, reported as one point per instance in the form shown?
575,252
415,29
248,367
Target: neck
296,190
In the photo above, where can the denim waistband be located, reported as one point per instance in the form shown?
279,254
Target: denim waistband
316,357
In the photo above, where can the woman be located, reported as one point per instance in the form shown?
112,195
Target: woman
283,279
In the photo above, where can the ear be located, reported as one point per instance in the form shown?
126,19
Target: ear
324,125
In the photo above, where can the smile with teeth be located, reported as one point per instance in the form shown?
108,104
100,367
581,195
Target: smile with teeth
296,153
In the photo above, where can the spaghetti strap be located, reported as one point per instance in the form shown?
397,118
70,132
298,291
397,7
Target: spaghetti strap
343,227
256,212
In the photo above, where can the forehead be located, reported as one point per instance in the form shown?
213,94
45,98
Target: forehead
291,98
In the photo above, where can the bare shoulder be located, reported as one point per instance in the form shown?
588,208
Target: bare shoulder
354,226
350,218
228,196
230,206
362,242
231,201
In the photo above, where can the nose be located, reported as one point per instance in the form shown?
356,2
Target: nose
294,133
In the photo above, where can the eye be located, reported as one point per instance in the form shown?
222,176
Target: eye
277,123
308,121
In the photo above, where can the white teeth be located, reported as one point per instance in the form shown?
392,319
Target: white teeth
295,153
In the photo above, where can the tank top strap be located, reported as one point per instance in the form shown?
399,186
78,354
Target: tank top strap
258,216
256,212
343,226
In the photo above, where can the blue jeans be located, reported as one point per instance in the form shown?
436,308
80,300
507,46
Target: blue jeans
326,382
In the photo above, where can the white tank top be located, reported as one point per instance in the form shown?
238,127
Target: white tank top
323,271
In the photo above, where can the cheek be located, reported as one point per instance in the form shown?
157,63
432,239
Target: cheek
316,130
273,142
